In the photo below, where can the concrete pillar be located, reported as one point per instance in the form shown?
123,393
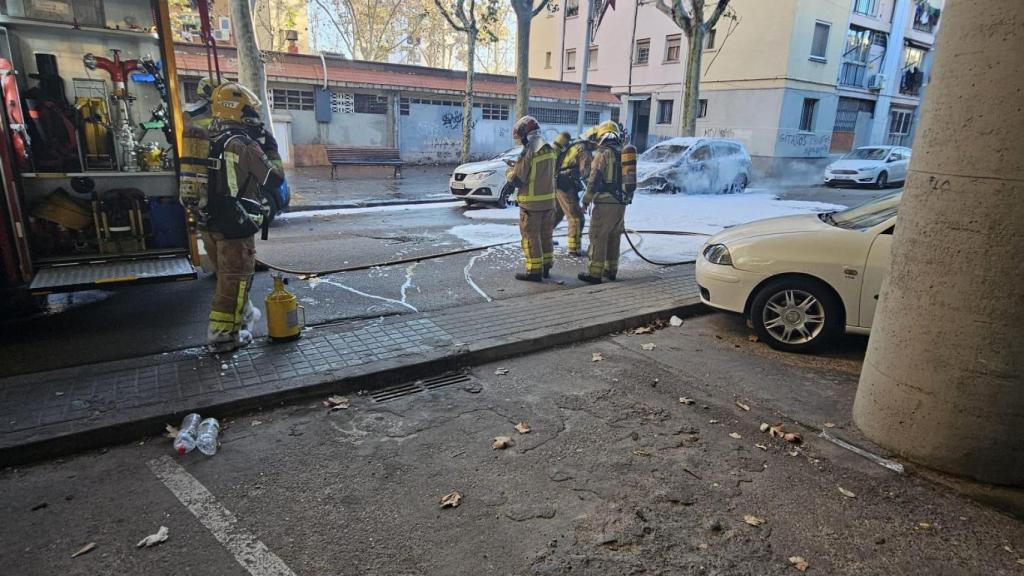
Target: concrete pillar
891,69
942,381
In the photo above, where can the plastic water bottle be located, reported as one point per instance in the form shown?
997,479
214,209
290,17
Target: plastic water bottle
206,441
185,441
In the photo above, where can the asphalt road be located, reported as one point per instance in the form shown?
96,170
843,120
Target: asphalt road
96,326
615,477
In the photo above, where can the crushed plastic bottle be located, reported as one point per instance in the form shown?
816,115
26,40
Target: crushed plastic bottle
185,441
206,441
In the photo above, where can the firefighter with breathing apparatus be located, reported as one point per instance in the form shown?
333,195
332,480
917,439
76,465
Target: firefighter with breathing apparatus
227,172
534,175
573,163
610,189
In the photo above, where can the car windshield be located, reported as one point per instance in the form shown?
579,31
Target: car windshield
510,154
666,153
867,154
866,215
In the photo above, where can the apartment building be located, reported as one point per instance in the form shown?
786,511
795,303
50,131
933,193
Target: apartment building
779,77
281,25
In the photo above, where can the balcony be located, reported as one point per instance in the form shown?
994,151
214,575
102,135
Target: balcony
926,18
853,74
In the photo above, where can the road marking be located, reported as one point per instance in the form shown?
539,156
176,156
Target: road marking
469,279
248,550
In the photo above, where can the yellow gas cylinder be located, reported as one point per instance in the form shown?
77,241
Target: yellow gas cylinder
192,184
629,171
283,312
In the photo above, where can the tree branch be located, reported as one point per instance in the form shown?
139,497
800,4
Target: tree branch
678,14
337,26
447,16
719,9
540,8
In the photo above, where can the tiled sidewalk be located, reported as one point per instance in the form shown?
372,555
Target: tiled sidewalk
69,409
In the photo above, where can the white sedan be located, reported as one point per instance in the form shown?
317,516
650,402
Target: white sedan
802,280
485,181
870,165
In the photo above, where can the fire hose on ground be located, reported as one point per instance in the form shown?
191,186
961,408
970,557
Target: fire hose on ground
304,274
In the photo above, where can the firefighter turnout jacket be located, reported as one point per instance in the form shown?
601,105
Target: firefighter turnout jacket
534,174
241,177
605,181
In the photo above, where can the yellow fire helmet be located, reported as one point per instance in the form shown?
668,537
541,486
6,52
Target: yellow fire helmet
590,134
607,127
563,140
232,102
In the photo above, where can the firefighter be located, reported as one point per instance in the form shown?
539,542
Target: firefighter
534,175
573,169
243,164
604,191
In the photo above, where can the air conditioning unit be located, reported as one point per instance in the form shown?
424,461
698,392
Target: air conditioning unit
222,35
877,82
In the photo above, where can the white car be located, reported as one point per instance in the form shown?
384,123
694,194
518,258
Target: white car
485,181
694,166
802,280
870,165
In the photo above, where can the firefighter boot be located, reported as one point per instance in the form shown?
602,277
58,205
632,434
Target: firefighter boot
588,278
222,342
547,271
529,277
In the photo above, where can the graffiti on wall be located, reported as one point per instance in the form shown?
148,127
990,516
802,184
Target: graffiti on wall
439,141
453,120
795,143
719,133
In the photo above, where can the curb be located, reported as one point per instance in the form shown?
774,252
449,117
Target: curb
368,204
381,374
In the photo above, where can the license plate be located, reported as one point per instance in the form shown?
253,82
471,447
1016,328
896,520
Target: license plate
458,185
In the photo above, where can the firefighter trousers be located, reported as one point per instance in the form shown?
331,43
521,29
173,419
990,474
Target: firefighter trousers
607,222
568,205
535,226
235,262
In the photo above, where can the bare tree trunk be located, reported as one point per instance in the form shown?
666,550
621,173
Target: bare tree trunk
523,24
467,107
250,62
691,83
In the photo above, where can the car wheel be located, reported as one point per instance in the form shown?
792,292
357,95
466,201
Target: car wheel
468,202
830,184
738,185
882,181
506,192
796,314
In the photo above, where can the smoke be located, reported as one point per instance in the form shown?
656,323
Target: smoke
795,171
674,166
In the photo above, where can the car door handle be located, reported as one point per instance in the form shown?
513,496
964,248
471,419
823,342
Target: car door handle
850,271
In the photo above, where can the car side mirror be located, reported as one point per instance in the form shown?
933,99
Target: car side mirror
890,160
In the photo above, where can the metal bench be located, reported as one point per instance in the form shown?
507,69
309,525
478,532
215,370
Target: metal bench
338,156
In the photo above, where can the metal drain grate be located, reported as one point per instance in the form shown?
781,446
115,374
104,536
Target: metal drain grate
424,385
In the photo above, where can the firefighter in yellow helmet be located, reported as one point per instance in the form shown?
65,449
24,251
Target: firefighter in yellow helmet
607,221
243,166
573,169
534,175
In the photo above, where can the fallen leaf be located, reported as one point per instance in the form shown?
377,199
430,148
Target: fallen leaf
846,492
743,406
753,520
1008,549
762,447
153,539
777,431
84,549
1020,561
255,423
643,330
171,431
523,428
924,525
336,403
712,421
830,424
641,452
451,500
764,426
702,546
685,400
649,346
675,321
793,437
794,453
753,338
735,435
597,357
799,563
501,442
501,371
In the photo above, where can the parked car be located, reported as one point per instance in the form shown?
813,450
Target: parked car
485,181
876,166
802,280
694,166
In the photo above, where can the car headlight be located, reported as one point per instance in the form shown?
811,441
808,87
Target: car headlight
480,175
718,254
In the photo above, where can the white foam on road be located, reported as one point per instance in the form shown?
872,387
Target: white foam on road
402,302
367,210
249,551
706,214
469,278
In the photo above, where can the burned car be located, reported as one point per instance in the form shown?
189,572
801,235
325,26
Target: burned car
694,166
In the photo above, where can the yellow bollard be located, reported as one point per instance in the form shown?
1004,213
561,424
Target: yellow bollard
283,313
